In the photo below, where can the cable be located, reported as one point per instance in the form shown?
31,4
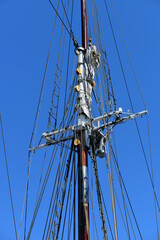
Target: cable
94,222
9,184
57,193
139,135
68,60
57,86
111,187
152,175
33,136
117,166
55,190
67,202
42,190
124,203
66,14
103,222
69,32
129,57
135,75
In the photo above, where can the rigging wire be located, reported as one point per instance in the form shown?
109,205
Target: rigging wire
105,60
119,172
103,222
44,158
56,15
91,194
54,211
35,211
129,57
74,196
65,185
102,200
125,204
102,89
66,15
68,60
102,69
70,32
9,184
70,211
138,131
58,182
123,198
62,22
56,75
42,190
111,187
33,136
75,172
152,175
136,78
94,222
54,191
67,200
105,208
99,46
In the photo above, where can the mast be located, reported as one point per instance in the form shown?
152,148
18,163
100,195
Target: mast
90,136
84,24
83,203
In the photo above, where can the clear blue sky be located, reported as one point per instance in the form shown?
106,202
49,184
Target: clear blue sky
25,28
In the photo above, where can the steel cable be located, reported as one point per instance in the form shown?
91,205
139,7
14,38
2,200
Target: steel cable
33,136
138,131
9,184
136,78
119,172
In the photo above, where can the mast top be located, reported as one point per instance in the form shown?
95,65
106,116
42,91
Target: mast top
84,24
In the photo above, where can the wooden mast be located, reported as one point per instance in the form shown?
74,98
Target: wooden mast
83,204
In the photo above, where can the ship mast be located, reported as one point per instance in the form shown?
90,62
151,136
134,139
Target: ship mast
83,204
90,135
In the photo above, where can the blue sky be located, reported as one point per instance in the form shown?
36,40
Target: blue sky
25,35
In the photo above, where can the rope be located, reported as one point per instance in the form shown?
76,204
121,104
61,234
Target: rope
69,32
152,176
118,169
9,184
129,57
42,190
54,191
66,14
111,185
68,60
33,136
56,201
107,214
138,131
91,197
124,204
135,75
103,223
67,201
65,185
56,77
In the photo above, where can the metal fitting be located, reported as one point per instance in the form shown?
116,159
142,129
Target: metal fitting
77,52
76,142
77,88
78,71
